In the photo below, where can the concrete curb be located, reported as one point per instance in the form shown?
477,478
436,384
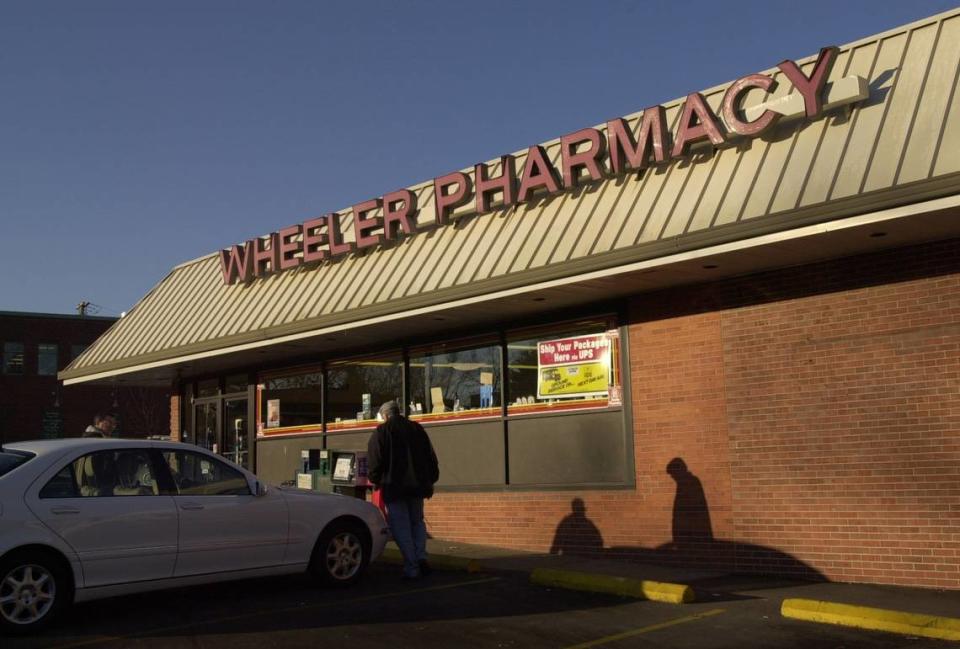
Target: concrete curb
874,619
439,561
640,588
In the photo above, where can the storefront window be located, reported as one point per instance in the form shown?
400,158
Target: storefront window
455,383
563,368
357,388
291,402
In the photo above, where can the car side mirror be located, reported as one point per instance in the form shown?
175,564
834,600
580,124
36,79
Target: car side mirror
259,489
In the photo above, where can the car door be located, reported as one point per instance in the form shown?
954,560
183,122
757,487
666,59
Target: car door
108,507
223,526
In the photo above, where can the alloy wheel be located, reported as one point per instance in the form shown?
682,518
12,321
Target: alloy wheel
27,594
344,556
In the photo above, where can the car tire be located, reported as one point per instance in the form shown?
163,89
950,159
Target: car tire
35,586
341,554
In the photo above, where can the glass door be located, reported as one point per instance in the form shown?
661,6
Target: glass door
216,417
206,424
234,446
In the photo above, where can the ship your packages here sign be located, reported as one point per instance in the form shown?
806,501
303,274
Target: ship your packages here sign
573,367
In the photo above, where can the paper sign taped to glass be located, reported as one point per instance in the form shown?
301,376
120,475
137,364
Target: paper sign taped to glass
573,367
273,413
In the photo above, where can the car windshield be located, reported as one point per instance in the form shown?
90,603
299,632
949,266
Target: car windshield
10,460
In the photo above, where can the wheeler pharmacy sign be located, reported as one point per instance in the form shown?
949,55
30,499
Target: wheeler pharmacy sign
587,155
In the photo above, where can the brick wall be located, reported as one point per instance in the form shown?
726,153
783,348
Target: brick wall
816,411
175,417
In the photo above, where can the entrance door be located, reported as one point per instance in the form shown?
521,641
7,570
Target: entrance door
221,427
234,446
206,425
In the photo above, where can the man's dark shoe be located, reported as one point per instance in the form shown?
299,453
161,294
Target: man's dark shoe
425,568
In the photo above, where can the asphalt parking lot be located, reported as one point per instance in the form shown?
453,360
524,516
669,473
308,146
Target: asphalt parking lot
447,609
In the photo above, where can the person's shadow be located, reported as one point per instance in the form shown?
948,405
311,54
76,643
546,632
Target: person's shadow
691,515
576,534
692,543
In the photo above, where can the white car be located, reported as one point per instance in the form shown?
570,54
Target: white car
82,519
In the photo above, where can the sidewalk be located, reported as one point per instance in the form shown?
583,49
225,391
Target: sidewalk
899,609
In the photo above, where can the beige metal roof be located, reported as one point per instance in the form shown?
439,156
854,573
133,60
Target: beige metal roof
901,145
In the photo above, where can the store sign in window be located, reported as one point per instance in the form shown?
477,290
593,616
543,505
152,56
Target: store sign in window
573,367
568,368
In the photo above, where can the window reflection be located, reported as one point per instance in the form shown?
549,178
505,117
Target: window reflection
357,388
292,401
455,383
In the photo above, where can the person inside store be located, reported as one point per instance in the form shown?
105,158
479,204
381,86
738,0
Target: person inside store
103,426
403,465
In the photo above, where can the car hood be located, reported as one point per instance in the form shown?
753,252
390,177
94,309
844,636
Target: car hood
310,499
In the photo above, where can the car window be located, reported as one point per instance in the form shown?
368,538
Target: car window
62,485
125,472
10,460
196,474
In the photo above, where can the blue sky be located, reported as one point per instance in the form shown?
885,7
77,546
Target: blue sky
137,135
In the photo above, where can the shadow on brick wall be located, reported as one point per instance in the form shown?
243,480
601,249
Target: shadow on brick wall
693,543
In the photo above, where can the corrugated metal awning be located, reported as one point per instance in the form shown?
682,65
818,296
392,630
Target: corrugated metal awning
901,145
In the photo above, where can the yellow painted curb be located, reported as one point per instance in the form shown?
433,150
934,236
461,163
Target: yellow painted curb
874,619
441,561
641,588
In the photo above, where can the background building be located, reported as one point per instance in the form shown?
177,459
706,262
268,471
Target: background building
34,403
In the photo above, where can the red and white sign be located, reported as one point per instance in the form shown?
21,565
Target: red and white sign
580,349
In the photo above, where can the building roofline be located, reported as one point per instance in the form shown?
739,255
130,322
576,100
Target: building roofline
57,316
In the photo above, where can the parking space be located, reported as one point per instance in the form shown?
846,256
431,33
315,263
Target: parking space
447,609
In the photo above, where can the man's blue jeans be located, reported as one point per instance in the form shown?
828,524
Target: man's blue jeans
409,532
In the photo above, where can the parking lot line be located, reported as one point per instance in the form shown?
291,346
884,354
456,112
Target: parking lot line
289,609
646,629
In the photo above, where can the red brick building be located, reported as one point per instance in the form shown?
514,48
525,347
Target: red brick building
722,331
33,402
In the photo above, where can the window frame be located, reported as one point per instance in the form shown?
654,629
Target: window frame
490,341
261,424
40,358
499,337
5,359
334,427
612,328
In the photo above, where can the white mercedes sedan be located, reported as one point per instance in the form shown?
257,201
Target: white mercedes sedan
82,519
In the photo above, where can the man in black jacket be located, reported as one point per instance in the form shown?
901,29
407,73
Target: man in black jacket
404,467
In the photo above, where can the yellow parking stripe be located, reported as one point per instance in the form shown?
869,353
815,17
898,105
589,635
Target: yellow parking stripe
646,629
289,609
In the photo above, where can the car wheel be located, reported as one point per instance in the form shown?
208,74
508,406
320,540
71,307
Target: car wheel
341,554
34,588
